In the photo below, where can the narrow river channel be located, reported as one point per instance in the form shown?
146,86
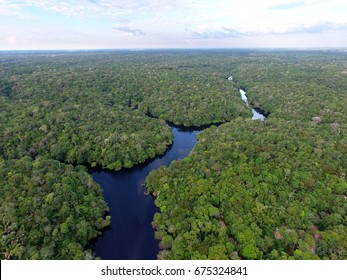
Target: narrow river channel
131,236
257,114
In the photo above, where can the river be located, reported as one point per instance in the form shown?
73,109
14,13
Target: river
131,236
257,114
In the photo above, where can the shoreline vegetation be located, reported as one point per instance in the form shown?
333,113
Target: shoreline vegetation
248,190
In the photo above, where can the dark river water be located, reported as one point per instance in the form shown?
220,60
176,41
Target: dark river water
131,235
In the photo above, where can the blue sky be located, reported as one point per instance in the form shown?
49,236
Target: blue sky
94,24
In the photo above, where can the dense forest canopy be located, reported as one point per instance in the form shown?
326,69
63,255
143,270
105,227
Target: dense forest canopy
250,189
265,190
89,108
244,185
49,210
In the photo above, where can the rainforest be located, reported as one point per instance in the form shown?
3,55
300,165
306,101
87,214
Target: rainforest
271,188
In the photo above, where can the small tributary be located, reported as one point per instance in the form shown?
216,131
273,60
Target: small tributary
257,114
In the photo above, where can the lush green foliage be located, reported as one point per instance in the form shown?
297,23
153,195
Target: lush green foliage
89,108
265,190
297,85
252,190
242,182
83,108
49,210
83,133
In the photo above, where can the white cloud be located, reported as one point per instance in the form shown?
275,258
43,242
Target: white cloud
166,21
287,5
216,32
319,27
83,8
130,31
246,12
8,9
221,32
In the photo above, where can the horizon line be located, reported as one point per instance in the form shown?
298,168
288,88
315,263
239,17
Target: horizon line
173,48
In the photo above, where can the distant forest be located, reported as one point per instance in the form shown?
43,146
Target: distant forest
273,189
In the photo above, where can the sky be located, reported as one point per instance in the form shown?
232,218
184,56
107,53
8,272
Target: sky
137,24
